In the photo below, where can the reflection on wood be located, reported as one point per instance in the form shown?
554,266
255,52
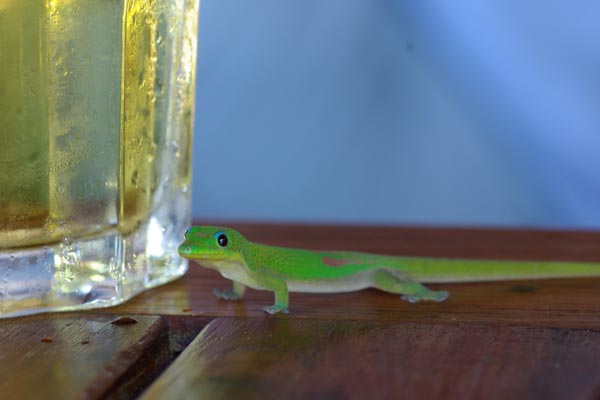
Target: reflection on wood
294,358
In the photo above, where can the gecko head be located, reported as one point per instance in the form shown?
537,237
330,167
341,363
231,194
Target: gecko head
212,243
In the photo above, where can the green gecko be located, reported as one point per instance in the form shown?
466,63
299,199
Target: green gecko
281,270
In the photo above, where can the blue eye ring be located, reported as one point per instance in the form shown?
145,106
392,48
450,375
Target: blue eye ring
222,239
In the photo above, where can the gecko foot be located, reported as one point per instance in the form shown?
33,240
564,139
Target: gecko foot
227,294
428,295
274,309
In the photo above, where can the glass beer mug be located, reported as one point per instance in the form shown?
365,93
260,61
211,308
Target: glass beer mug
96,104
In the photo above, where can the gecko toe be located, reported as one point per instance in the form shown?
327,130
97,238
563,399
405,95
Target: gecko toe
269,310
276,309
437,296
226,294
410,298
441,296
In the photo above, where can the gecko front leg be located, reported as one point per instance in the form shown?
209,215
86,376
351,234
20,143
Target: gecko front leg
235,293
280,289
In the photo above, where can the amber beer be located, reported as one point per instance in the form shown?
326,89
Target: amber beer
96,103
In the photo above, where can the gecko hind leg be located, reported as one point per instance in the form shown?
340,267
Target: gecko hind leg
410,291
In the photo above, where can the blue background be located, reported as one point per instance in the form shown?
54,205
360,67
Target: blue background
399,112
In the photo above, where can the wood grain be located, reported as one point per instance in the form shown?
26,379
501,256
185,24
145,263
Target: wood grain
82,356
315,359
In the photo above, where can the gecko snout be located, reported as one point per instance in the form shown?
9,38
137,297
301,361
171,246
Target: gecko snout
185,250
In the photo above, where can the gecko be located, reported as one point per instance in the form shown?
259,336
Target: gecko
281,270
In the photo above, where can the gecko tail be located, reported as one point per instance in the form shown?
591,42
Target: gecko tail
453,270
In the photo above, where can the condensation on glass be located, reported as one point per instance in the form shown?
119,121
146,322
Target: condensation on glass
96,103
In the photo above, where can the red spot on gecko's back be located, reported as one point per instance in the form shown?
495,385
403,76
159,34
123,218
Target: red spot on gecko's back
338,262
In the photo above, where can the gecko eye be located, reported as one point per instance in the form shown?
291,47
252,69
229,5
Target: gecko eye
222,240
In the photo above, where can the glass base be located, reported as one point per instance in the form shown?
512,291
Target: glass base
102,270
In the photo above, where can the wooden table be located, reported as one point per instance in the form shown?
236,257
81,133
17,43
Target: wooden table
527,339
